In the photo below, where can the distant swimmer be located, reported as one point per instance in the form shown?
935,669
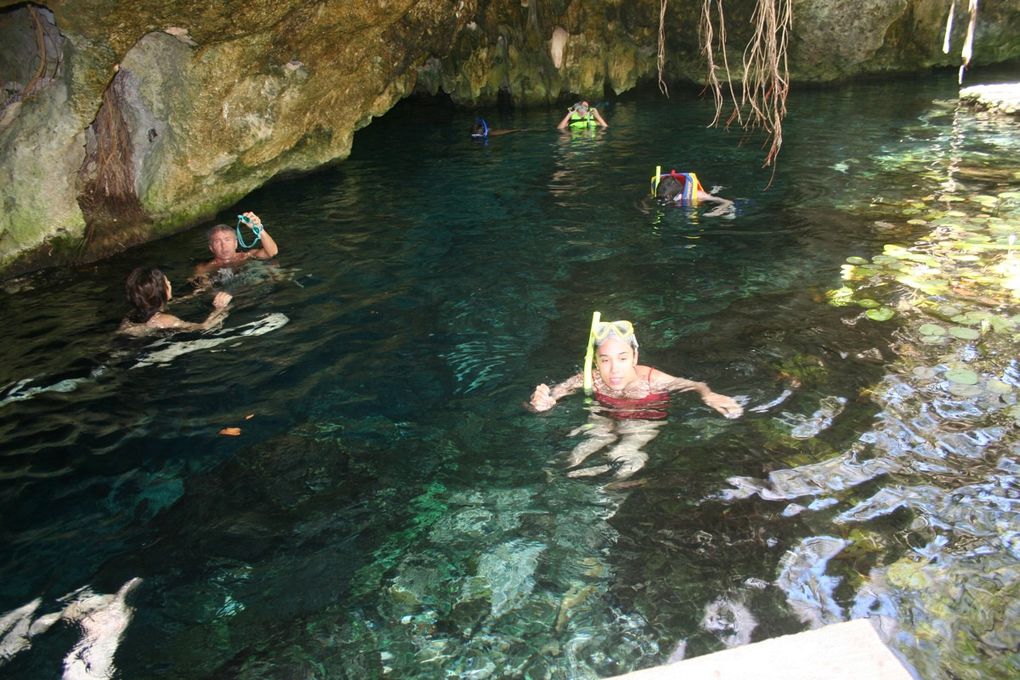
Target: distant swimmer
481,131
633,398
683,188
148,292
580,116
223,243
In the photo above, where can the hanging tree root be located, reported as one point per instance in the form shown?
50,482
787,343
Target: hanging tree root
660,58
765,83
766,80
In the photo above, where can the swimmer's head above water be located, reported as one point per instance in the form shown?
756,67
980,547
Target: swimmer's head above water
148,290
616,353
222,242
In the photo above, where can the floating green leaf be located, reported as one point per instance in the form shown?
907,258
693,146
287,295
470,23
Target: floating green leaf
996,386
856,260
971,318
964,390
949,310
962,376
880,314
963,333
840,297
931,329
868,303
908,574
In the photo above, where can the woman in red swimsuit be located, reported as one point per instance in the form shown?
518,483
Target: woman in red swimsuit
631,392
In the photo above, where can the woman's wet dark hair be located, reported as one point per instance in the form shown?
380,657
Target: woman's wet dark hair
146,293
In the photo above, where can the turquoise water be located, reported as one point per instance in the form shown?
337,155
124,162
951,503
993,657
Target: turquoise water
390,507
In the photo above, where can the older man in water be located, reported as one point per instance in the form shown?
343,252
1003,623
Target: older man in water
223,245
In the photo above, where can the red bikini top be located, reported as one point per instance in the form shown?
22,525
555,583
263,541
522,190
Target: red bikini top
628,407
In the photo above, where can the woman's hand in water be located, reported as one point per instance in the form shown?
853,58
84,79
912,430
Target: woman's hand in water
221,300
723,404
542,399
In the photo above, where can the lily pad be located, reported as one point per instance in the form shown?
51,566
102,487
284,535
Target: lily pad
934,339
931,329
996,386
868,303
962,376
1001,324
840,297
880,314
908,575
964,390
972,318
949,310
856,260
964,333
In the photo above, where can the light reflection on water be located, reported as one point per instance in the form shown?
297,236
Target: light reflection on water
391,508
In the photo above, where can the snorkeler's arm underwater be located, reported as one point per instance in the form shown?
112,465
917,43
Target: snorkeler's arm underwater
725,206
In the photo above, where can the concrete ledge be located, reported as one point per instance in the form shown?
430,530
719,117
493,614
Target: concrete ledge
844,651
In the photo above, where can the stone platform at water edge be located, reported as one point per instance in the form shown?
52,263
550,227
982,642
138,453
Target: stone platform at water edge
1002,98
843,651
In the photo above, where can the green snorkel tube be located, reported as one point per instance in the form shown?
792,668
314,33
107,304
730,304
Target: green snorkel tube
590,354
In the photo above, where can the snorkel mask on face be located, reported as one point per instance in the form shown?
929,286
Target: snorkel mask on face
601,331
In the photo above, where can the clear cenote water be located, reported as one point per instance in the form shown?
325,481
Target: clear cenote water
391,509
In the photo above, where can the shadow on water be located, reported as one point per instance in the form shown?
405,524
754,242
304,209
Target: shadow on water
390,508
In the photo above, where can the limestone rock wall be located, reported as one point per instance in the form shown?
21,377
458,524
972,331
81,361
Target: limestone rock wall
122,122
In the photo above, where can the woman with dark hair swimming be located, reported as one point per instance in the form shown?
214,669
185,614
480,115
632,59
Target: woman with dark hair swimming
148,292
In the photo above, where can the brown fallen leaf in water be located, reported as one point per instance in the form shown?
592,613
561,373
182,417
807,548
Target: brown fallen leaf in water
231,432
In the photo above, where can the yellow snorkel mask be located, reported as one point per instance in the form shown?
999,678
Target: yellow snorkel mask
600,331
